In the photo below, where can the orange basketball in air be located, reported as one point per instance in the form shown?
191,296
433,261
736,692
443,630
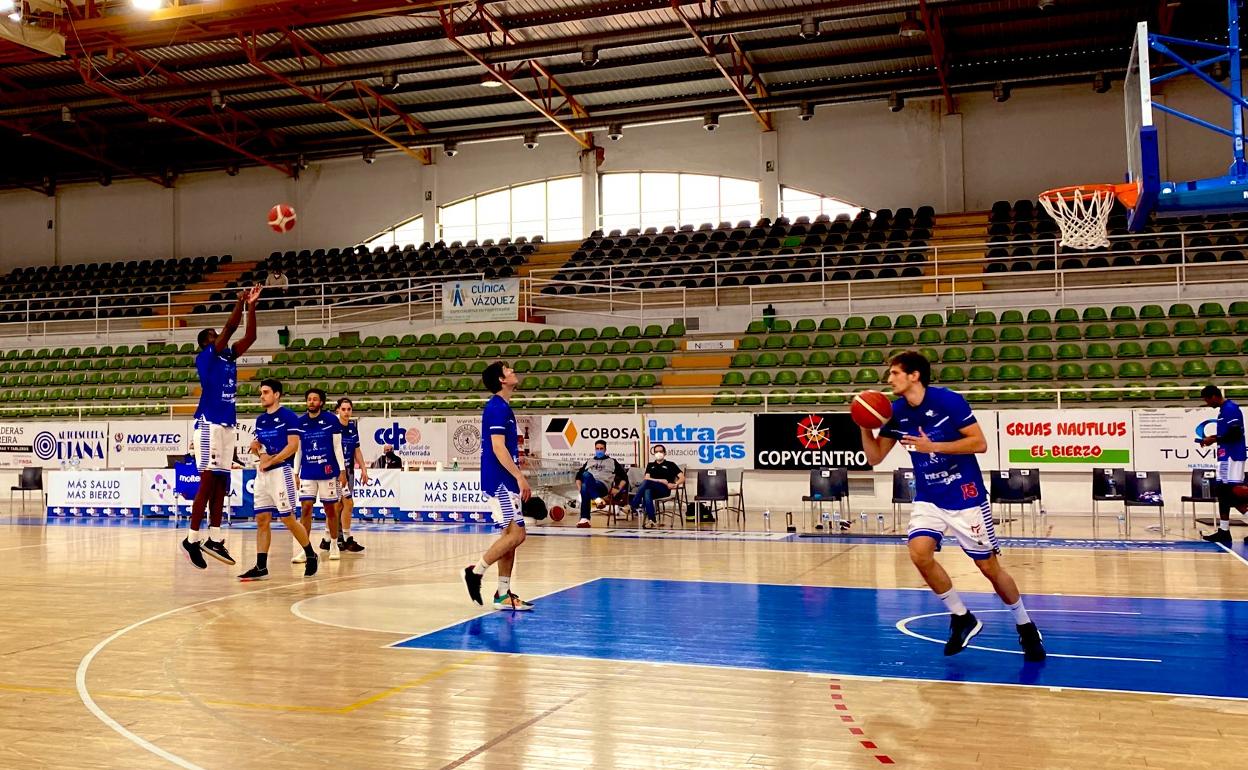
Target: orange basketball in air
871,409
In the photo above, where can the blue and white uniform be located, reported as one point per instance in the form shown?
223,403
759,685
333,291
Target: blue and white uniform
275,488
497,484
1231,454
949,492
215,416
350,443
319,463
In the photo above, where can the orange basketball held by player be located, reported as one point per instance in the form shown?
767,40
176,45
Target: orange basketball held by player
871,409
282,218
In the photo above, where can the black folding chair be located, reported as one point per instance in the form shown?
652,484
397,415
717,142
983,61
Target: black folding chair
1108,485
1204,490
31,480
903,492
1144,491
1018,486
712,487
827,485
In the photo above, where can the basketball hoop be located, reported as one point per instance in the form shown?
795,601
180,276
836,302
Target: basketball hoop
1082,211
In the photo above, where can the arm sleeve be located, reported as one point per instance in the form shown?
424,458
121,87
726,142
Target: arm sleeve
338,449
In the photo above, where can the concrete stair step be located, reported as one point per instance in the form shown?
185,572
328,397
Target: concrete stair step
701,362
964,285
689,380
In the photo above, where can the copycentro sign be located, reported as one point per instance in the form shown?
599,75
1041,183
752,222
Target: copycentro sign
804,441
471,301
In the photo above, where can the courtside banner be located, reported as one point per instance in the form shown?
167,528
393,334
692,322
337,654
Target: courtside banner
570,438
1031,437
1165,439
419,440
70,445
709,440
95,494
473,301
806,440
146,443
442,492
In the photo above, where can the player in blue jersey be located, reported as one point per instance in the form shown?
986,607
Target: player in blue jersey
319,469
352,458
276,444
1231,456
213,434
938,428
503,485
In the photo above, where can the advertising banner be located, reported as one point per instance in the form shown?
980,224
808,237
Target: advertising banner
713,440
473,301
569,439
1165,439
98,494
159,490
146,443
1091,437
419,440
54,445
444,492
805,440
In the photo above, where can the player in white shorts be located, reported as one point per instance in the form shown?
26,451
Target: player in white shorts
276,443
319,469
505,487
939,429
1231,454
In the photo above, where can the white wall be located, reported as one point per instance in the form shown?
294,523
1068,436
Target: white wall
863,153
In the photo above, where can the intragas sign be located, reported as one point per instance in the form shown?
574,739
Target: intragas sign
704,440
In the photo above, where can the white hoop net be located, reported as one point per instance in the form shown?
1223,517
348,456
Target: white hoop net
1081,215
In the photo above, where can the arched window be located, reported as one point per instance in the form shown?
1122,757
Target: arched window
796,203
551,209
652,199
412,231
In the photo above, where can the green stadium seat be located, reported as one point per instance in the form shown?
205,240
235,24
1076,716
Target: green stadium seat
855,323
876,339
1100,371
1151,312
785,378
530,384
1239,309
1129,349
1009,373
574,382
584,365
415,369
1241,326
1010,394
1122,313
805,397
1069,371
977,394
932,320
1169,394
804,325
1155,328
724,398
756,327
1162,369
477,367
812,377
597,348
1126,330
779,326
503,337
1191,348
867,376
792,359
1010,353
759,378
931,354
983,353
1040,393
929,337
1039,353
750,398
1039,333
851,340
799,342
1217,327
1011,334
1222,347
956,336
632,364
1069,351
619,348
1066,315
545,335
767,360
1092,314
902,338
587,334
819,358
749,343
524,336
646,346
980,374
1008,317
951,374
1133,370
984,318
1039,316
908,321
740,360
1186,328
846,358
556,349
521,366
1097,332
830,325
1196,368
824,340
1228,367
654,331
872,358
625,380
609,364
1181,310
656,362
840,377
984,334
880,322
958,318
1099,350
1210,310
953,356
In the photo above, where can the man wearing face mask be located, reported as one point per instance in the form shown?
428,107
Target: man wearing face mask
662,477
600,476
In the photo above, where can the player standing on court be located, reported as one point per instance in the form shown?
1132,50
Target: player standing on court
504,485
352,458
319,469
1231,455
938,428
215,418
276,443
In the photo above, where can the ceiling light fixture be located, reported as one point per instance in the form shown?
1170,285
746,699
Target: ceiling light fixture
896,102
1100,83
910,28
589,56
389,80
489,81
1000,91
147,5
809,29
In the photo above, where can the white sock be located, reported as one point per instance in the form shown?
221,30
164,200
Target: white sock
481,567
1020,612
1224,524
953,602
504,585
192,535
214,533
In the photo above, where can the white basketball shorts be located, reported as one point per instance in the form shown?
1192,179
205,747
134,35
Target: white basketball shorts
213,446
1231,471
971,526
505,507
275,491
325,489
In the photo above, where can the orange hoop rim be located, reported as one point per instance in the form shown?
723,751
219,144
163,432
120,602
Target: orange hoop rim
1128,193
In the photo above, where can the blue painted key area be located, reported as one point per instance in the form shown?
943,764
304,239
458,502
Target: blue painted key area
1171,646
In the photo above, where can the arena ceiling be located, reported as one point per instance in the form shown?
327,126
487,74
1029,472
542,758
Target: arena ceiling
99,89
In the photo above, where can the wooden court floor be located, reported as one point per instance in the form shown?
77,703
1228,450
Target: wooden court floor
116,653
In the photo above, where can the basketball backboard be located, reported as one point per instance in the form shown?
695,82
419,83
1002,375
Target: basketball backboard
1142,158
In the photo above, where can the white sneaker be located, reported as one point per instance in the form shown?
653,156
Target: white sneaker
300,557
334,553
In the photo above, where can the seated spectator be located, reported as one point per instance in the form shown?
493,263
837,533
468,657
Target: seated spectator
600,476
276,282
769,317
388,459
662,477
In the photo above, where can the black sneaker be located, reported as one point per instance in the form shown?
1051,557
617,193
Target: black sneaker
473,581
255,573
350,546
194,553
962,629
1030,639
309,567
1219,536
216,549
